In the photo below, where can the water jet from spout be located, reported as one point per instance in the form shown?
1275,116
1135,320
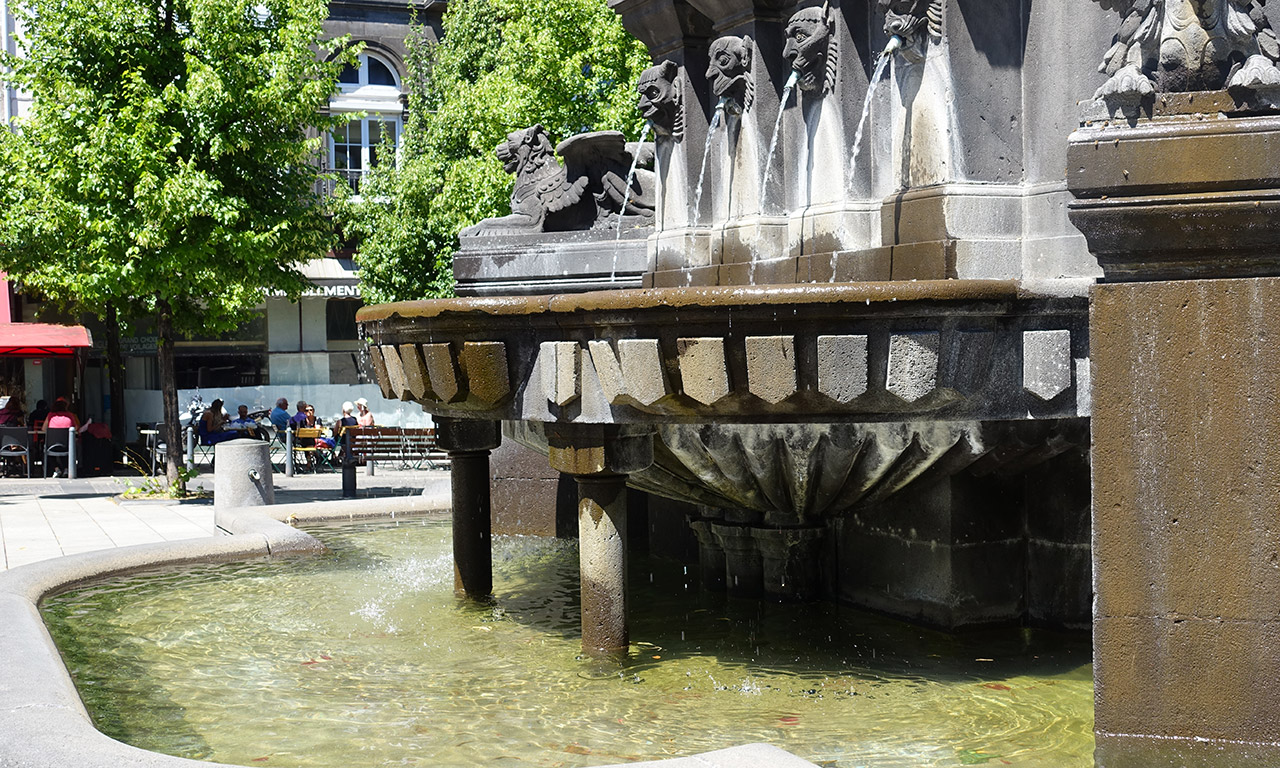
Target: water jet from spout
716,119
626,197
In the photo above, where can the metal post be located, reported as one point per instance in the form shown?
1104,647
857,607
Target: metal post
602,554
288,453
348,469
71,453
191,448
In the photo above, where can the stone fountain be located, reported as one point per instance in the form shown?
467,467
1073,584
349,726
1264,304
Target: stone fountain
865,374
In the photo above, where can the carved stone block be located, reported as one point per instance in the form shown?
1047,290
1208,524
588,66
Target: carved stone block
380,371
442,371
561,368
842,367
703,371
415,372
1046,363
608,369
484,363
395,373
641,362
771,367
913,365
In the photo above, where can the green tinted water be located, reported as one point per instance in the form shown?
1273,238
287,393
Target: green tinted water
364,657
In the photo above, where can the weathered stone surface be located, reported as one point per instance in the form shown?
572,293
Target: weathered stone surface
913,365
396,379
842,367
608,369
561,371
703,370
415,372
1084,387
771,367
484,364
442,370
1186,454
598,450
380,371
243,474
641,361
1046,363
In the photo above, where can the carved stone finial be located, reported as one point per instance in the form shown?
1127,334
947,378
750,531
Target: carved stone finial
810,48
662,99
730,72
584,193
1173,46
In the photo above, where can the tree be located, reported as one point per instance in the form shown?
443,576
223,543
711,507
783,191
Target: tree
167,169
502,65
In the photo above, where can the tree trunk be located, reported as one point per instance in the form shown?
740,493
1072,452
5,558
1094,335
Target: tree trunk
115,371
171,431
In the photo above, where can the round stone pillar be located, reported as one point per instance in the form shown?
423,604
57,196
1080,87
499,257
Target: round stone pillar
243,474
602,543
744,569
468,444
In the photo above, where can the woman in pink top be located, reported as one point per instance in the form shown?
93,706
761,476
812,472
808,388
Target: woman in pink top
365,419
60,417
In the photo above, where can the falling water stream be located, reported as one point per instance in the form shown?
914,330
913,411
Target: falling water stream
716,119
882,63
364,657
777,126
626,196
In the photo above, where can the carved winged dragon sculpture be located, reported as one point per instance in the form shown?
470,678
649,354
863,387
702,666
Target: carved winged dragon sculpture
1172,46
580,195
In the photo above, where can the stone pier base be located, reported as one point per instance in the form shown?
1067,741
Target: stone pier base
1187,521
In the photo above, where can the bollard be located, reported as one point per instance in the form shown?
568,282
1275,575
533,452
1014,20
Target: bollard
288,453
191,449
71,453
348,472
242,474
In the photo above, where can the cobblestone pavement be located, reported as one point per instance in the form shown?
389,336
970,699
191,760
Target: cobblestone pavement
43,519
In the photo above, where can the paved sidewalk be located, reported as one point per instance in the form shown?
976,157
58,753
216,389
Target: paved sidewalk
43,519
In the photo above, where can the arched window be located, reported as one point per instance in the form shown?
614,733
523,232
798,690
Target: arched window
372,87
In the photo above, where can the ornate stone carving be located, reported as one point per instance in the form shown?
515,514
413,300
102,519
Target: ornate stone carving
811,48
914,22
662,99
730,72
587,192
1174,46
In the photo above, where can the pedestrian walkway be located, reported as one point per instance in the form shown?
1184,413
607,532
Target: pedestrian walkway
43,519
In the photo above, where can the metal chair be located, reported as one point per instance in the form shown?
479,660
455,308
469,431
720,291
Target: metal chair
15,443
57,444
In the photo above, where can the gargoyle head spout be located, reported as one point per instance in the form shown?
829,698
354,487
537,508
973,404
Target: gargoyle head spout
730,70
521,145
904,18
660,98
808,48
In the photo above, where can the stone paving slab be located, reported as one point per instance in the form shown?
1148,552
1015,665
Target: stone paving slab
41,519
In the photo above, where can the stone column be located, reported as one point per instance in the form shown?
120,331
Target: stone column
711,566
1183,212
791,558
468,444
743,567
600,457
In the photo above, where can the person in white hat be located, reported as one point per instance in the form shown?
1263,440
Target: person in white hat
365,419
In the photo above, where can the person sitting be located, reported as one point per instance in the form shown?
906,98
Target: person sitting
280,414
300,418
311,421
10,412
365,419
60,417
245,425
211,429
340,429
37,417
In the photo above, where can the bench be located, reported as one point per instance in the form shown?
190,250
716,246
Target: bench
409,447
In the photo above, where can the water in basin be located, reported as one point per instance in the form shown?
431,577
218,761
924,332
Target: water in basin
364,657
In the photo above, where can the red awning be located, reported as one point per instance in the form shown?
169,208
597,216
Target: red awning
42,339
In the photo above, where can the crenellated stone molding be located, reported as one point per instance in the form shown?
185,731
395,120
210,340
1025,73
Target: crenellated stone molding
740,355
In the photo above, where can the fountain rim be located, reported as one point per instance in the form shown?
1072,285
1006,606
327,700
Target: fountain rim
728,297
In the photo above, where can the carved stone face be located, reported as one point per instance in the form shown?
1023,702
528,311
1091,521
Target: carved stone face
659,100
521,145
808,43
730,68
904,17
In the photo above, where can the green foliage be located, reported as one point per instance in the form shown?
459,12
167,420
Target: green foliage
503,65
167,159
148,486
